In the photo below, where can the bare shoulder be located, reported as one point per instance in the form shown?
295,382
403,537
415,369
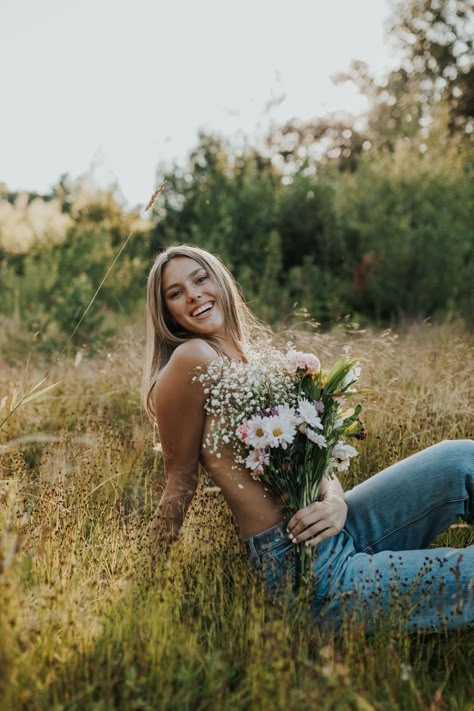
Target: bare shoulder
191,354
196,351
186,358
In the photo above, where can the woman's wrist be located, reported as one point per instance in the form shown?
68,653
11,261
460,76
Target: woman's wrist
331,494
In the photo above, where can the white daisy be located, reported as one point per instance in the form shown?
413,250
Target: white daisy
289,414
309,413
257,435
280,431
318,439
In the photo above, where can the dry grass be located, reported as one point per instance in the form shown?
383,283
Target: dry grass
86,624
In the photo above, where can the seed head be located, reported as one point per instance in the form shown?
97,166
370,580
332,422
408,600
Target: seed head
155,195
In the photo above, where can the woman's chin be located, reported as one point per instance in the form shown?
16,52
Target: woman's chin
207,327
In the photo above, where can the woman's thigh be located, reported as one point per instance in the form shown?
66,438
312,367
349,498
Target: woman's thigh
408,504
426,589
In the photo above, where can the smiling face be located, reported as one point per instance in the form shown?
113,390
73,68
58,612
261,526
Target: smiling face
191,297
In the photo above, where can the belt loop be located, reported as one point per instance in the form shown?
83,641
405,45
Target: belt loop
253,552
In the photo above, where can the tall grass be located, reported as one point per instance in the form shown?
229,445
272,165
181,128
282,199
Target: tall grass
86,623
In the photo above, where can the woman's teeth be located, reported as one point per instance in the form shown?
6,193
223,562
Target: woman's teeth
202,309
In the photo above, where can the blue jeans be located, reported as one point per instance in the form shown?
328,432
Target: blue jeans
379,564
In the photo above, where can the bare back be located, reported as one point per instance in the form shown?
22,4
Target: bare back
253,508
179,403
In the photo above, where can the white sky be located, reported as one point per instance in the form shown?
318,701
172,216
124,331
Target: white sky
118,86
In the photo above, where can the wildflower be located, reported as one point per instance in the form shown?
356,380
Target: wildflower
280,431
256,459
318,406
289,414
296,360
341,456
257,435
352,375
362,434
242,431
309,413
257,473
318,439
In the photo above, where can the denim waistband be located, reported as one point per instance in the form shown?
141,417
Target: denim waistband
266,540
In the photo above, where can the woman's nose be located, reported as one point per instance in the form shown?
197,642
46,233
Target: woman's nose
194,293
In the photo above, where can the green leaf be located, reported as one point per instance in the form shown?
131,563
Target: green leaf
338,372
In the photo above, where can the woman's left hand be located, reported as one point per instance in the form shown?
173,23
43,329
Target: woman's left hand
319,520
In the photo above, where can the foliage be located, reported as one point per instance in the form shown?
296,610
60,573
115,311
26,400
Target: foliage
390,240
408,217
436,38
47,285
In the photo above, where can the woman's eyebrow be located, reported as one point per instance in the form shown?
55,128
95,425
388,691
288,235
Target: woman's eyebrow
190,276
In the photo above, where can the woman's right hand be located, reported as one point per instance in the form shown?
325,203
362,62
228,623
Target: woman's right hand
321,519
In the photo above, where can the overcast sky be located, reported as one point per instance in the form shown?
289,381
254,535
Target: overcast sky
118,86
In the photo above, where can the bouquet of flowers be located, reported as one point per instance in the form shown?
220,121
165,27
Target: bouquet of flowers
286,420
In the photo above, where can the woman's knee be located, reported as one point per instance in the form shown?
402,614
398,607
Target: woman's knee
458,451
455,464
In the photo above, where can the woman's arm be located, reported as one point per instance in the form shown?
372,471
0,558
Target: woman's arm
321,519
179,408
331,488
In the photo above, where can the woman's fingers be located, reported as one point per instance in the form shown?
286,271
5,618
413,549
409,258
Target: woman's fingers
303,518
312,514
327,533
310,531
326,515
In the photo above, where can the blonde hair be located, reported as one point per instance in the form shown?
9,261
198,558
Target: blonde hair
163,335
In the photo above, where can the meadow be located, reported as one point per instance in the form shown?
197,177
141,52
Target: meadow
86,622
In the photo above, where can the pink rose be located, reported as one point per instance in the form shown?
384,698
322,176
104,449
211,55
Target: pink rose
296,360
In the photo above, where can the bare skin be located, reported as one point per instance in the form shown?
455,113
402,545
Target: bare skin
183,424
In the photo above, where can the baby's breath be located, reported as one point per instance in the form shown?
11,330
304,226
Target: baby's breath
235,391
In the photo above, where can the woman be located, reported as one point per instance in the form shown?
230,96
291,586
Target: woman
371,540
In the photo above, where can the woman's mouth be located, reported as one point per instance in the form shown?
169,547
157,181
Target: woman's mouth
202,310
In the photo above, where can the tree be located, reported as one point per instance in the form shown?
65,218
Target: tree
395,110
271,304
298,145
437,41
222,200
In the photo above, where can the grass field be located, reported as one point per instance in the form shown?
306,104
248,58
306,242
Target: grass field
87,624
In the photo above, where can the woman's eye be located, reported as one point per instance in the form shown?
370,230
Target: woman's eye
174,294
200,279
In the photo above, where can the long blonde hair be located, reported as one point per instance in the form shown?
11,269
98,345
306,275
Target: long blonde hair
163,335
